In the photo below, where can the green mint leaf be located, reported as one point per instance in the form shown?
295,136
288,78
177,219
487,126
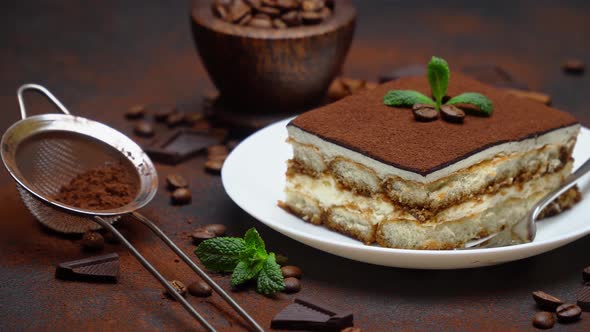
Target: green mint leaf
220,254
405,98
270,279
244,272
253,240
251,255
438,76
483,103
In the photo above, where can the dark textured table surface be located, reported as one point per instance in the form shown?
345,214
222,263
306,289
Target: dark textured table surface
100,58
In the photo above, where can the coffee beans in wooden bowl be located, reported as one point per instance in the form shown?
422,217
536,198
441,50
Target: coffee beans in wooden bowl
273,14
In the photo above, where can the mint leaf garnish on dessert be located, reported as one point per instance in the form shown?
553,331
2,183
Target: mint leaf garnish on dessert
246,258
439,75
473,98
406,98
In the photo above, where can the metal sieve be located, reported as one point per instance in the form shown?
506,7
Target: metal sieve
45,152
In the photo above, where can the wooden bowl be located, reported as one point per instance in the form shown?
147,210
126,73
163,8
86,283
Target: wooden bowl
269,70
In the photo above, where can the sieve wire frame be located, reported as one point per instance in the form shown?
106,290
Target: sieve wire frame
89,129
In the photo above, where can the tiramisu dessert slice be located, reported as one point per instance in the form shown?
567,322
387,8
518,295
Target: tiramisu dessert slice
425,175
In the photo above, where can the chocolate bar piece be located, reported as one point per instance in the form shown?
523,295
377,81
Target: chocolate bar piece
103,268
180,145
311,315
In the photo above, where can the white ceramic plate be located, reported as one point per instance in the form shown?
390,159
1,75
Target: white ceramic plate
254,177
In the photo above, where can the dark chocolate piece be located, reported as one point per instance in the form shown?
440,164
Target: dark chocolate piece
584,299
103,268
179,146
311,315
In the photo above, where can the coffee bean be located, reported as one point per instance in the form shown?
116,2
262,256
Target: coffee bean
291,271
144,129
353,85
451,113
424,112
568,312
201,235
254,3
178,286
200,289
311,17
282,259
92,241
543,320
245,20
288,4
214,166
238,9
292,285
279,24
584,298
217,229
546,301
260,23
135,112
270,3
181,196
586,274
271,11
352,329
573,66
220,11
312,5
176,181
292,18
161,112
175,119
217,150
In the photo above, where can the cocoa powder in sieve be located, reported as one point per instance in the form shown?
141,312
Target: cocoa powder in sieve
103,188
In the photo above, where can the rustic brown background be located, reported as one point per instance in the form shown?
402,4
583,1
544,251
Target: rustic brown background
100,57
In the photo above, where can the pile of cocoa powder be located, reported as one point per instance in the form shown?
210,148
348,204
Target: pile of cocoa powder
106,187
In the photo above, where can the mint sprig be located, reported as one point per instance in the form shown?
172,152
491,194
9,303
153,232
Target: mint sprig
246,258
439,75
476,99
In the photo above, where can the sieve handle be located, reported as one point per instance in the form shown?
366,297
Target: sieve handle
148,266
43,90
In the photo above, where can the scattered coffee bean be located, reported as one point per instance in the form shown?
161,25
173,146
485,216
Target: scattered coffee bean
217,229
217,150
176,181
291,271
200,289
181,196
92,241
586,274
568,312
573,66
452,113
282,260
584,298
214,166
135,112
144,129
178,286
292,13
543,320
161,112
201,235
292,285
175,119
424,112
546,301
352,329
